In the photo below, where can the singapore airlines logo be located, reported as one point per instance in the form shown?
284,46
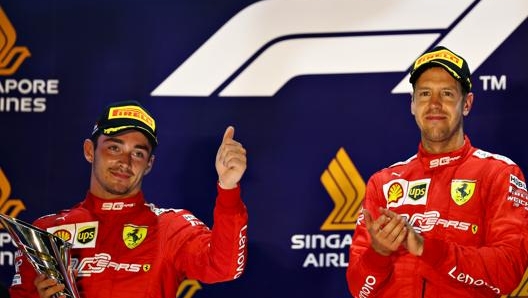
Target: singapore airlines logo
11,56
271,42
11,207
346,188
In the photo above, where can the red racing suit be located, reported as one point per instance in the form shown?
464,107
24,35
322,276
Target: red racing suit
128,248
470,206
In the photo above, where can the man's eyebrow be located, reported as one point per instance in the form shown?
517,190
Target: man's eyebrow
115,140
143,147
119,141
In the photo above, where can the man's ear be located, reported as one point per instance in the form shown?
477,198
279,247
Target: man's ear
88,148
412,105
468,104
150,164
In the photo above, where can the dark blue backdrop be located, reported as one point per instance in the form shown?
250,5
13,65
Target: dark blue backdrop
101,51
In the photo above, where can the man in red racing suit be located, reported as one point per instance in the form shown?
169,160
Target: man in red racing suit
474,229
126,247
451,221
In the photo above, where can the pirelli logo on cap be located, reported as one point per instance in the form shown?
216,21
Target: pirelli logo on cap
132,112
439,55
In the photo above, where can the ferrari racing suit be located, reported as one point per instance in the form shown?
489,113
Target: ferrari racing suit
128,248
471,208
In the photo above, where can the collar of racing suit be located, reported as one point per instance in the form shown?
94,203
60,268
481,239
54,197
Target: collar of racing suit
114,206
435,161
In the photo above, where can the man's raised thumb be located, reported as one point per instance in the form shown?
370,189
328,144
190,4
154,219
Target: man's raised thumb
229,133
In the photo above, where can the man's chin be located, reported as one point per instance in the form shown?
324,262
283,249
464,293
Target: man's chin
436,135
119,190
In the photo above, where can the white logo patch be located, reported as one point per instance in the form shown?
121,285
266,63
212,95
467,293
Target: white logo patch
81,235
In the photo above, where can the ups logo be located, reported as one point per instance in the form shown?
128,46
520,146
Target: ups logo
86,235
418,191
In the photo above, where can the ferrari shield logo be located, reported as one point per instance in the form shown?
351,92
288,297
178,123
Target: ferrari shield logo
134,235
462,191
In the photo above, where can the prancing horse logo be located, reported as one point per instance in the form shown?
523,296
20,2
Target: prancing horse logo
462,191
134,235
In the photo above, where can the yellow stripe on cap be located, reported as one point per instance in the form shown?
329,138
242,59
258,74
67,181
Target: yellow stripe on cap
439,55
113,130
132,112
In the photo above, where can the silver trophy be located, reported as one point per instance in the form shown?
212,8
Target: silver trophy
47,253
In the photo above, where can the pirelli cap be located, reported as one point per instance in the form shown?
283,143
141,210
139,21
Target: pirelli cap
441,56
123,115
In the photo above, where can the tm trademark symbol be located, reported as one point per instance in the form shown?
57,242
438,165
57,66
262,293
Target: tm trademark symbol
493,82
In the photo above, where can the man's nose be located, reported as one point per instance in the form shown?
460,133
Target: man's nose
125,159
436,101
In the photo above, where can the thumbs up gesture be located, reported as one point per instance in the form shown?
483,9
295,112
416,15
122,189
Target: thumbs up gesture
231,160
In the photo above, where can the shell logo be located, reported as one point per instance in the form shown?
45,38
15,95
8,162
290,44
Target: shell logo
63,234
395,192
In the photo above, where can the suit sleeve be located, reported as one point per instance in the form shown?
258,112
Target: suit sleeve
368,271
219,254
498,264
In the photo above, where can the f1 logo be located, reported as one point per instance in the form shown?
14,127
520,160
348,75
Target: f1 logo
270,42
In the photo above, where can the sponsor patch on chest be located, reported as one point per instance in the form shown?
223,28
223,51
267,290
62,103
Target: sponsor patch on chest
462,190
517,193
134,235
401,192
81,235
